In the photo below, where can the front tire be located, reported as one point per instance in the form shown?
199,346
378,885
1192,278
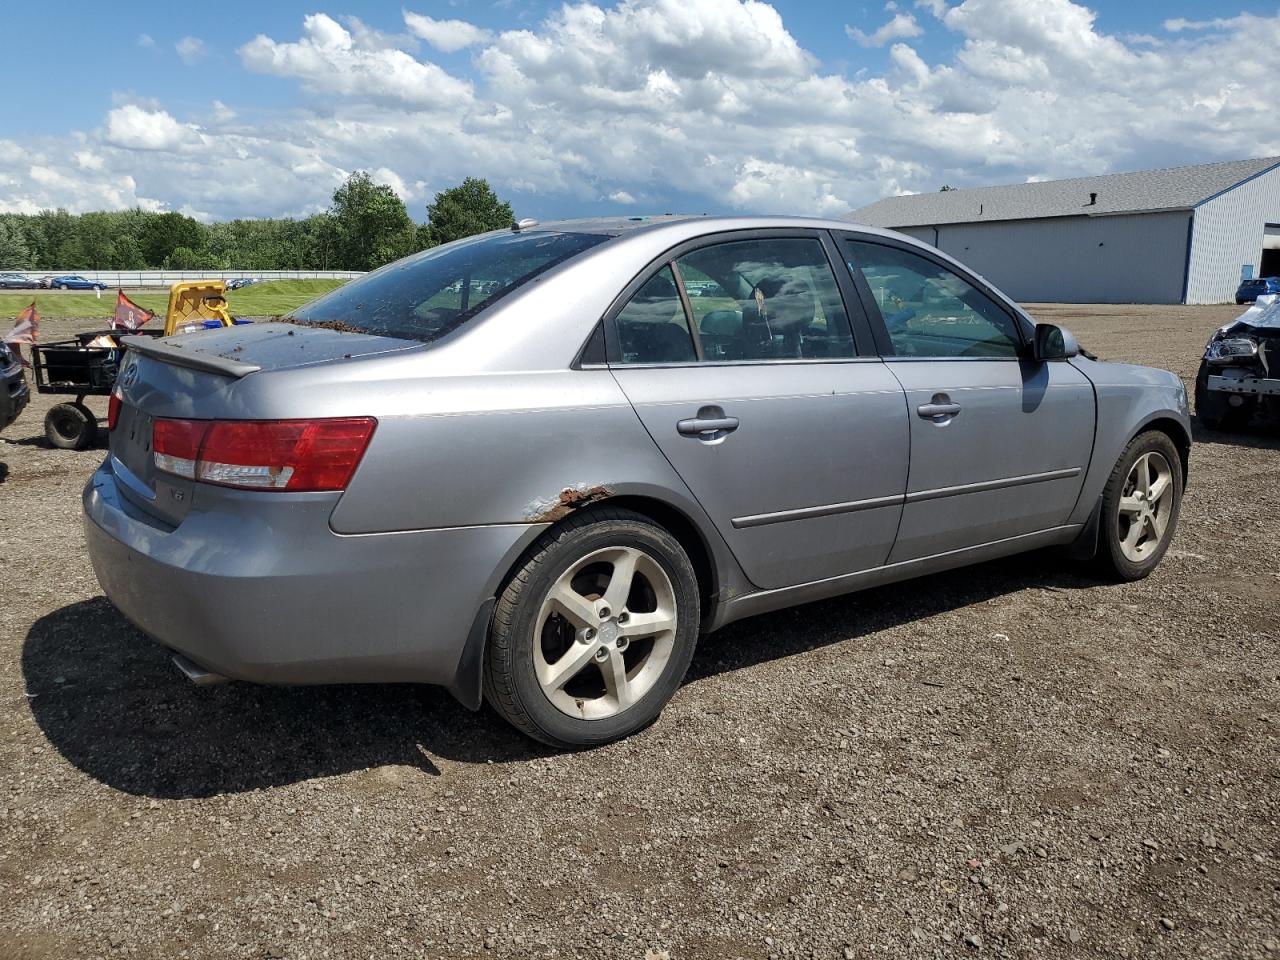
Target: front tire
1140,507
594,632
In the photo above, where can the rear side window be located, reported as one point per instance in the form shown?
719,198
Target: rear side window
770,299
430,294
652,327
928,310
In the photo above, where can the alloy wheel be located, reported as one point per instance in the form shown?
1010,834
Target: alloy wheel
1146,503
604,633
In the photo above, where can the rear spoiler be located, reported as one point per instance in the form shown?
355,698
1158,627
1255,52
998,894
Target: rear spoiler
193,359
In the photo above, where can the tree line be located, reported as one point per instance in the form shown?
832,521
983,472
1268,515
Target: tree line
365,227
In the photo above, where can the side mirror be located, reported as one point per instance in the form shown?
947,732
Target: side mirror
1053,343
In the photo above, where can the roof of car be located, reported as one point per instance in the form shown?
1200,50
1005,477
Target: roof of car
706,223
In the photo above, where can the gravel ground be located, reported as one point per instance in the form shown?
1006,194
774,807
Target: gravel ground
1010,760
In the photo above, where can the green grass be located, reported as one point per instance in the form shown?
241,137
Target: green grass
260,300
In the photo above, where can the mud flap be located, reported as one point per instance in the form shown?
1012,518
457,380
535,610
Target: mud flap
467,685
1085,546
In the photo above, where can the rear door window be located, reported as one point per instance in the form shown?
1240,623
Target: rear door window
433,293
767,299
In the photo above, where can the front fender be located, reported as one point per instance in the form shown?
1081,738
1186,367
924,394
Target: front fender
1129,399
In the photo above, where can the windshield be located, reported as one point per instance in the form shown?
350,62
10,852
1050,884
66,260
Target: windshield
430,294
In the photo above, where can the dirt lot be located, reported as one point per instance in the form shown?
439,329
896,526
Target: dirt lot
1011,760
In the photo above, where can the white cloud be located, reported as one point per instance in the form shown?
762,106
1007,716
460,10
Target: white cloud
222,113
446,35
146,40
190,50
136,128
32,180
714,96
372,39
394,181
1179,24
901,26
763,184
330,59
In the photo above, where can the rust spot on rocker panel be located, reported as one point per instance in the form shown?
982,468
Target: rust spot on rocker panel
569,500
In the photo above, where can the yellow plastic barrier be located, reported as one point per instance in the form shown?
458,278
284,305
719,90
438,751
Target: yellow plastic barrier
191,303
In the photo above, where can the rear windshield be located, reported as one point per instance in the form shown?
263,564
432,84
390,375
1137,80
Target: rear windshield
430,294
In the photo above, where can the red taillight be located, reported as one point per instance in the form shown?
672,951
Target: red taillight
296,455
113,409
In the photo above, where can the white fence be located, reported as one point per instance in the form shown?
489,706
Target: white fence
162,278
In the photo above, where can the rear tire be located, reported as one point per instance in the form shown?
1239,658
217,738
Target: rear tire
70,426
570,660
1140,507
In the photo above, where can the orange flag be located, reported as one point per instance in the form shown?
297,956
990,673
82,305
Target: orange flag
25,330
128,315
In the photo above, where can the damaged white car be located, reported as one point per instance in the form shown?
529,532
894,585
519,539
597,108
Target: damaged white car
1239,377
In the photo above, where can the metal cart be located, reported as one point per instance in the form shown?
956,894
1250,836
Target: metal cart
82,368
74,368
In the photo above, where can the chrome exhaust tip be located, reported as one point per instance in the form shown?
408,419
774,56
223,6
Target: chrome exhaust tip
197,674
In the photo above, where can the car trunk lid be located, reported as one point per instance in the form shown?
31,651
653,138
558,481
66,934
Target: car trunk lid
248,348
195,376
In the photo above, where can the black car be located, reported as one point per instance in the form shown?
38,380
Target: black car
14,392
16,281
1239,376
1255,287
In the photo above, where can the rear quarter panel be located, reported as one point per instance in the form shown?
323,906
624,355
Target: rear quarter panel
501,448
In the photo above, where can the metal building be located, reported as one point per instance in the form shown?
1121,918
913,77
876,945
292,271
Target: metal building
1180,235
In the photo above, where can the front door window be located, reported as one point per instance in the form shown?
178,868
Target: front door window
928,310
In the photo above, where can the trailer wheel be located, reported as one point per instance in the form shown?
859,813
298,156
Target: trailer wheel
70,426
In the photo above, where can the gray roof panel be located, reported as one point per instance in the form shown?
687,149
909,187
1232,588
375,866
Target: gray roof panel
1145,191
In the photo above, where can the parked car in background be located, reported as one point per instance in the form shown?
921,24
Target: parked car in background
14,392
17,281
1239,376
73,281
1250,290
528,467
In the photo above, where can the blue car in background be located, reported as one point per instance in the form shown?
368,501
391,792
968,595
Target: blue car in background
73,281
1255,287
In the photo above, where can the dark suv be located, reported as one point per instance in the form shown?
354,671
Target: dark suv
1250,290
14,392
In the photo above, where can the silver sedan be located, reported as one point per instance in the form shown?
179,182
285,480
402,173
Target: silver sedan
532,467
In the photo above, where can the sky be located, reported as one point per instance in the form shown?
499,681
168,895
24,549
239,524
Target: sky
245,109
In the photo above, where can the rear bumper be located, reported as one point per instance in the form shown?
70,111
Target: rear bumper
256,587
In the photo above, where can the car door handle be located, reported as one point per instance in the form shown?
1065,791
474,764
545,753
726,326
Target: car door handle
939,409
700,426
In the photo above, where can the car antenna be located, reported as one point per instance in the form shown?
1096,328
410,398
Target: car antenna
524,224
